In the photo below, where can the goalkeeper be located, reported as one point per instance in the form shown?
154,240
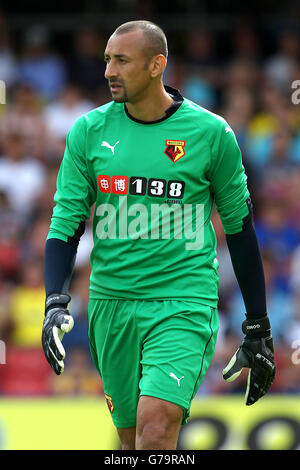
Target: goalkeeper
154,163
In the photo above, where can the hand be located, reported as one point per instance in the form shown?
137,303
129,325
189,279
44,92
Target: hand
257,354
58,321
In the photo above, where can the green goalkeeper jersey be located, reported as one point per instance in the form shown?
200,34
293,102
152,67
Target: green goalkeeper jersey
154,185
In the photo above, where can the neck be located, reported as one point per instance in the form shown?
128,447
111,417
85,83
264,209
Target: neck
152,106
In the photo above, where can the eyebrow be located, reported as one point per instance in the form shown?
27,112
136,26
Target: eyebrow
118,56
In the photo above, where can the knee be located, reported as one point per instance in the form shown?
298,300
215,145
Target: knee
158,426
153,435
127,438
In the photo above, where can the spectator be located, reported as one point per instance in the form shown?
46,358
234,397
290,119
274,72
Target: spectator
246,43
276,113
60,114
280,67
33,242
274,228
293,196
86,64
26,371
201,55
8,60
23,116
43,205
238,110
241,73
199,90
280,304
21,176
42,69
12,225
79,378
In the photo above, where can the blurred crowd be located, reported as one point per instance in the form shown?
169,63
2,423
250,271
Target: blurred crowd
46,91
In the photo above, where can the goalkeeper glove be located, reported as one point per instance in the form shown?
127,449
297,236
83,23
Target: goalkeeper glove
57,322
257,354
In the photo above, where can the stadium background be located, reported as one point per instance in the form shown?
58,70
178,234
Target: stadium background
238,63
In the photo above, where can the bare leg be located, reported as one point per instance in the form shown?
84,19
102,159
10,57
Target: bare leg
127,438
158,424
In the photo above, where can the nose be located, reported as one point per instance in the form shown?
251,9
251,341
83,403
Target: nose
110,71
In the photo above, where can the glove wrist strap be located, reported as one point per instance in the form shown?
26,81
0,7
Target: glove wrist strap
56,300
257,326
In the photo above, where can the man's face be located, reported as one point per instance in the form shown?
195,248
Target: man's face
127,70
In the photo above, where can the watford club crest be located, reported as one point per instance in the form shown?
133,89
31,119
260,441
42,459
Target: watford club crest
175,149
109,403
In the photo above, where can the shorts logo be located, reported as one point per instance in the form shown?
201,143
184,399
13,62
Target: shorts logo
176,378
109,402
175,149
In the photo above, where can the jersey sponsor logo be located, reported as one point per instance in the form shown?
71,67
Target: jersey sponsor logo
104,183
175,149
109,402
140,186
119,184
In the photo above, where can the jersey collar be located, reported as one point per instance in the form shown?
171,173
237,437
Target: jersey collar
177,101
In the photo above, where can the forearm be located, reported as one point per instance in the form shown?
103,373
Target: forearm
58,265
248,267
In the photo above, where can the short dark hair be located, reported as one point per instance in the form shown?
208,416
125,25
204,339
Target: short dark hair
156,41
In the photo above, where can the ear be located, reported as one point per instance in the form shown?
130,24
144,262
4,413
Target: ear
157,65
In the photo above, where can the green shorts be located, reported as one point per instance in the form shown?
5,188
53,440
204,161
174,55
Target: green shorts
159,348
